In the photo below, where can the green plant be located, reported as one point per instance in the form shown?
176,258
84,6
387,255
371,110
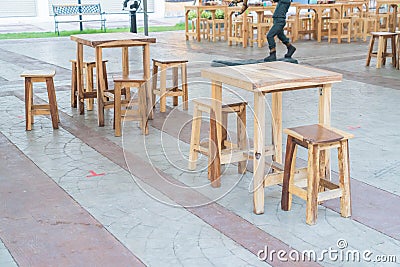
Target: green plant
192,15
219,14
206,14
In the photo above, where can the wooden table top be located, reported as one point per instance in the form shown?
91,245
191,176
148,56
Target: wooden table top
271,76
389,2
111,39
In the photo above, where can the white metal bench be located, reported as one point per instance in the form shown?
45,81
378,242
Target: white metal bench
63,14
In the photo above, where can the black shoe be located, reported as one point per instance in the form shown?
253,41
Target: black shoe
290,51
271,57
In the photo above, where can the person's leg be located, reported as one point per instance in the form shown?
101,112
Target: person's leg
271,41
285,40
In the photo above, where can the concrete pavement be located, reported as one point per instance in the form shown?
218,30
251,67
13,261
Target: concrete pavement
117,180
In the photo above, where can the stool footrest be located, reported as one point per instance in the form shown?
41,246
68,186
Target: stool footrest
169,92
330,194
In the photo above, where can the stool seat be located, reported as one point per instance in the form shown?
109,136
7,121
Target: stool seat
314,134
315,185
38,73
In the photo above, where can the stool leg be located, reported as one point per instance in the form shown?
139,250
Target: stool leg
28,104
286,196
143,109
242,137
379,55
89,85
117,109
312,184
394,51
185,97
224,129
344,179
371,47
175,84
384,53
154,82
195,138
53,102
74,85
163,89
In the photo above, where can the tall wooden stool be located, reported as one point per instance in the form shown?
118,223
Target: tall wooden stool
339,28
127,109
382,53
176,90
32,109
316,138
217,29
89,92
230,152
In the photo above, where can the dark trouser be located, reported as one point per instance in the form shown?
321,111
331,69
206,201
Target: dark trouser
277,30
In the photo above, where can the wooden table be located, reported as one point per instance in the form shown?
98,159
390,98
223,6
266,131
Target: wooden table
198,9
391,3
261,79
99,41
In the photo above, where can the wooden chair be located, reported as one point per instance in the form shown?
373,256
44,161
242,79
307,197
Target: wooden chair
230,152
127,109
261,29
381,54
306,25
316,138
216,29
176,90
89,91
339,28
32,109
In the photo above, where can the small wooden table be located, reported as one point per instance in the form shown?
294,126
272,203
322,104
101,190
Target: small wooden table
261,79
99,41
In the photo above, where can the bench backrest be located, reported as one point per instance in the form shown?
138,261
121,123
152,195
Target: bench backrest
69,10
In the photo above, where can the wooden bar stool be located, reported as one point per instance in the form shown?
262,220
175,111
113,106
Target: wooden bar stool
230,152
339,28
89,91
316,138
217,29
127,109
382,53
32,109
176,90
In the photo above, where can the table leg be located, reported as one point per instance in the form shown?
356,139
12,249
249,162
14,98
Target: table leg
245,32
319,26
259,153
100,85
325,118
125,61
198,25
214,164
79,70
187,25
277,126
146,77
